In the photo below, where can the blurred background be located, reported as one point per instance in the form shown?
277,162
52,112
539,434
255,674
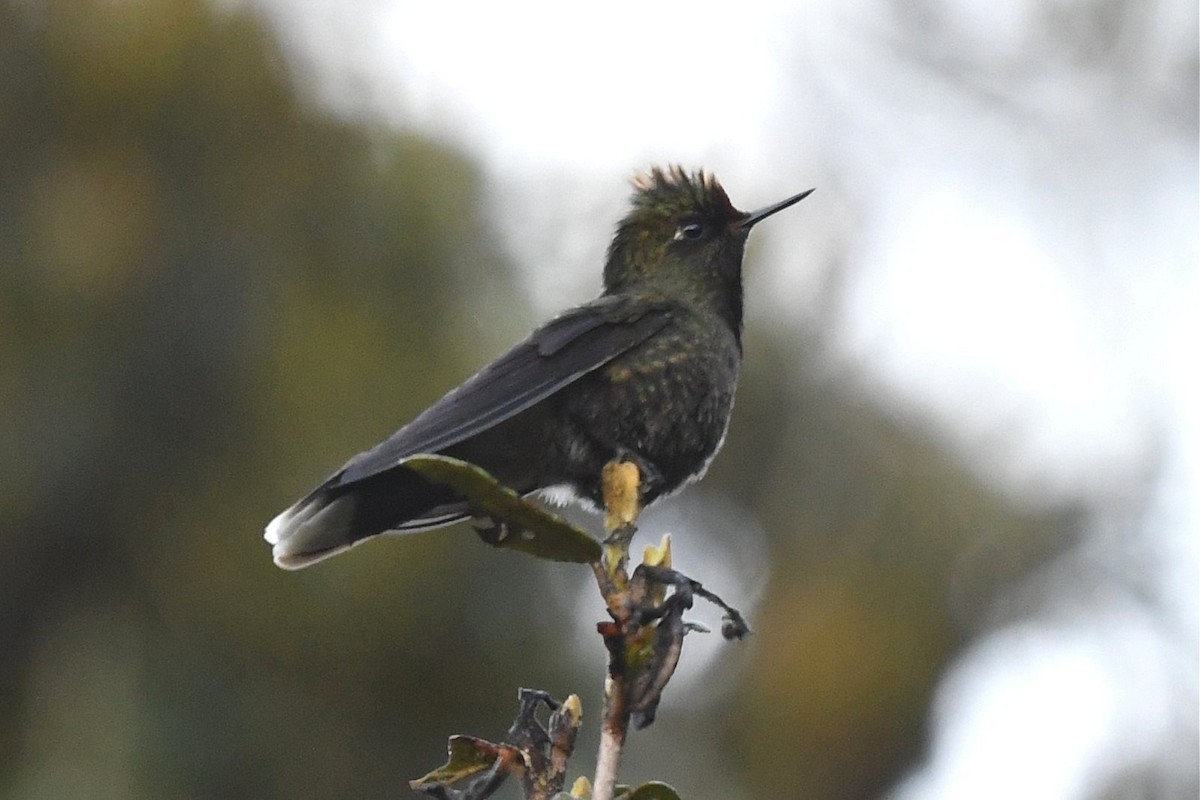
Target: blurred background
241,241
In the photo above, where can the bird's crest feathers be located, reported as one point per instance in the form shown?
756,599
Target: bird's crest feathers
673,190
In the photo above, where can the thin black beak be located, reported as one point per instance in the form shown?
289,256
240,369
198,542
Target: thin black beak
755,217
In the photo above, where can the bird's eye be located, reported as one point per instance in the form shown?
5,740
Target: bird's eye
689,230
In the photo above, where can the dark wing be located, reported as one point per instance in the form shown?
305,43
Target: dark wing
554,356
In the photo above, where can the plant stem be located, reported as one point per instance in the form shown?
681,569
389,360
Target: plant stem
621,482
612,739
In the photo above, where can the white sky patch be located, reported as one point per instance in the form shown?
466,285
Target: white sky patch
957,304
593,87
1044,713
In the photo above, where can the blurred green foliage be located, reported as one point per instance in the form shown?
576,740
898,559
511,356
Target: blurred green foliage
211,293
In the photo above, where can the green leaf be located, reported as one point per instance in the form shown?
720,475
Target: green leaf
468,756
532,529
654,790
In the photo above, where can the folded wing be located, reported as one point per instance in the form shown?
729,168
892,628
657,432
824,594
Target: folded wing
374,493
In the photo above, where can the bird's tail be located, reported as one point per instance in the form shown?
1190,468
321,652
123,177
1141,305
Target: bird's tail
335,517
315,528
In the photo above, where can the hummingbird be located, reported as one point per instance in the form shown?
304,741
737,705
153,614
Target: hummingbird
646,372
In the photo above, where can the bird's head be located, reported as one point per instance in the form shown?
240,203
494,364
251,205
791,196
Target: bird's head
682,235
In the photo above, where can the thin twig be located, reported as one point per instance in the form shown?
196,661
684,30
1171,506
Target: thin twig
612,741
621,495
616,687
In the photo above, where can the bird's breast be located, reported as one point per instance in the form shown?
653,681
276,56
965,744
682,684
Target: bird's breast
668,401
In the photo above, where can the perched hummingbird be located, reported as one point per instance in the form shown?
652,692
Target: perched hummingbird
647,372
